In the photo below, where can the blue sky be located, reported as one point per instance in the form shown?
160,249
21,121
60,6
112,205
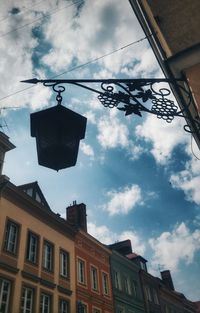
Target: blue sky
137,176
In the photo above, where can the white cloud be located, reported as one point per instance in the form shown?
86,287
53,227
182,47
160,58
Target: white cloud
136,151
106,236
172,248
164,137
188,180
111,132
122,202
87,149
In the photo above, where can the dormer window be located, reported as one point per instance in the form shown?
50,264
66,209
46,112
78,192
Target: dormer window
143,266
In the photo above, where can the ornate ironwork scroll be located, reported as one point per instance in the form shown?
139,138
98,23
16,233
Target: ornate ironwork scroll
133,96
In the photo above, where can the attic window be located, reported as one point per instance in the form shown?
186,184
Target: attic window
143,266
29,192
37,198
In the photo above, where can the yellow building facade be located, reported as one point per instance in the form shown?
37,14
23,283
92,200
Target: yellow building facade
37,270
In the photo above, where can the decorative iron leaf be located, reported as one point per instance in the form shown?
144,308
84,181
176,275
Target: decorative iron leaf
122,97
131,109
135,86
146,95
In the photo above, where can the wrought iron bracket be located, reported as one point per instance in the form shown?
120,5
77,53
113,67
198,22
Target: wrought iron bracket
133,96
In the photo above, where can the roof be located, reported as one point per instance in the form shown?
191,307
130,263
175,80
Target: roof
134,255
33,190
39,209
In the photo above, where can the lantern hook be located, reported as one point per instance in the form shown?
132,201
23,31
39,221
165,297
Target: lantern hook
58,89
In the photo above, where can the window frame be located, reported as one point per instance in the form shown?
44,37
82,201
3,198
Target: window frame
65,253
105,283
24,309
8,293
36,259
148,293
48,268
42,308
135,288
81,272
155,296
117,280
94,276
59,304
9,222
127,285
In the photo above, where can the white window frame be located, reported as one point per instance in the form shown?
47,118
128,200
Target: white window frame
45,303
127,285
81,271
63,306
64,263
117,279
105,284
94,278
148,293
32,247
48,256
5,287
26,300
155,296
11,239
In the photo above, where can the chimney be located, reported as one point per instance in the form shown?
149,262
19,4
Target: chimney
167,279
76,215
5,146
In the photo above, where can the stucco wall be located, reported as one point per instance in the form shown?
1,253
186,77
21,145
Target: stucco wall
45,231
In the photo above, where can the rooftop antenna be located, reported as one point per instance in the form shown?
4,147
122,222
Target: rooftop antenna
3,123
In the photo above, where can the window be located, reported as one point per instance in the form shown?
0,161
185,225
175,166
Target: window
64,306
120,310
48,256
84,308
117,280
27,300
95,310
105,284
11,238
143,266
45,303
32,247
155,297
81,271
127,285
94,278
5,286
134,289
81,307
148,293
64,263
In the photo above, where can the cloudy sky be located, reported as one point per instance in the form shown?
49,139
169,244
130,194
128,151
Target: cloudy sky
137,176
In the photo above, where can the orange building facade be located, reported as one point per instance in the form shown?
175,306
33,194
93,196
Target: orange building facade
93,280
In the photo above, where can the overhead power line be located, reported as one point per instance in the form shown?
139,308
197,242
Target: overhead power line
39,18
82,65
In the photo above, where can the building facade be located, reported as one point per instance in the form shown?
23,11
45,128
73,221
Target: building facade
93,280
172,28
37,272
127,291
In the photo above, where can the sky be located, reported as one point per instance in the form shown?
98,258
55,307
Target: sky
138,177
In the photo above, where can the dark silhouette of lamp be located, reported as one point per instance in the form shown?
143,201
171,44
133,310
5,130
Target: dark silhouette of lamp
58,132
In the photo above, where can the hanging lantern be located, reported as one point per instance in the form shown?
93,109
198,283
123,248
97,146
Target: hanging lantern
58,132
